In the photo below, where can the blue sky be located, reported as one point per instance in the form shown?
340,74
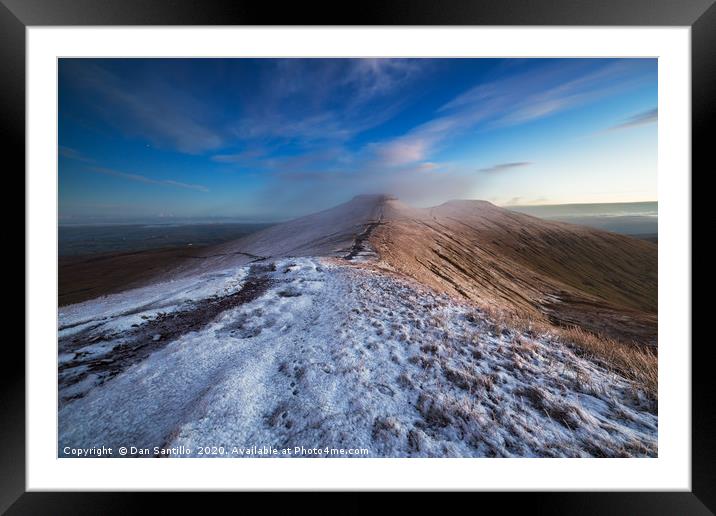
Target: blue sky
268,139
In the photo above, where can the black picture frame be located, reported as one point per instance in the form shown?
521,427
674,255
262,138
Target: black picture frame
700,15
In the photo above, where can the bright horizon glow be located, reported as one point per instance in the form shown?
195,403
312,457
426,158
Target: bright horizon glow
271,139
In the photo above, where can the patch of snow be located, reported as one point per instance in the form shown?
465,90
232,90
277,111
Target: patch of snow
133,306
343,356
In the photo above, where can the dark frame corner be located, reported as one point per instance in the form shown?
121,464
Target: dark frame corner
700,15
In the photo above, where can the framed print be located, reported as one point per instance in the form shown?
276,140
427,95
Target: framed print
447,249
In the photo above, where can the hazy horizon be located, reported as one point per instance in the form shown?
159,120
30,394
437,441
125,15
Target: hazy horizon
539,210
272,139
639,219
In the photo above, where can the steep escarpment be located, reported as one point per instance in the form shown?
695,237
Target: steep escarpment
558,272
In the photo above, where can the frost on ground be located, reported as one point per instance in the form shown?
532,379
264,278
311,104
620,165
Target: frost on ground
323,352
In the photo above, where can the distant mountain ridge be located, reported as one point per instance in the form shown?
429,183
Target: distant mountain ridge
633,218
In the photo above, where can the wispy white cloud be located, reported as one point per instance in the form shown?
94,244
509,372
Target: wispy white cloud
544,92
74,154
375,77
326,126
239,157
515,100
501,167
419,143
147,180
402,151
156,111
646,117
295,111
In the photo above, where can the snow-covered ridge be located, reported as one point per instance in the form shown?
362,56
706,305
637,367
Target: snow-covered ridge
316,352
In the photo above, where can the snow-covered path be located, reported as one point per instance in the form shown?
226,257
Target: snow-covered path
319,353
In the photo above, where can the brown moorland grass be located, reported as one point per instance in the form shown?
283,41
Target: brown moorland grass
636,363
568,274
85,277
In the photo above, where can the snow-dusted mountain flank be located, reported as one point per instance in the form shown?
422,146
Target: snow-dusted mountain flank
378,327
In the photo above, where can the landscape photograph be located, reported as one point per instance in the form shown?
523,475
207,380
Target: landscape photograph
357,258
